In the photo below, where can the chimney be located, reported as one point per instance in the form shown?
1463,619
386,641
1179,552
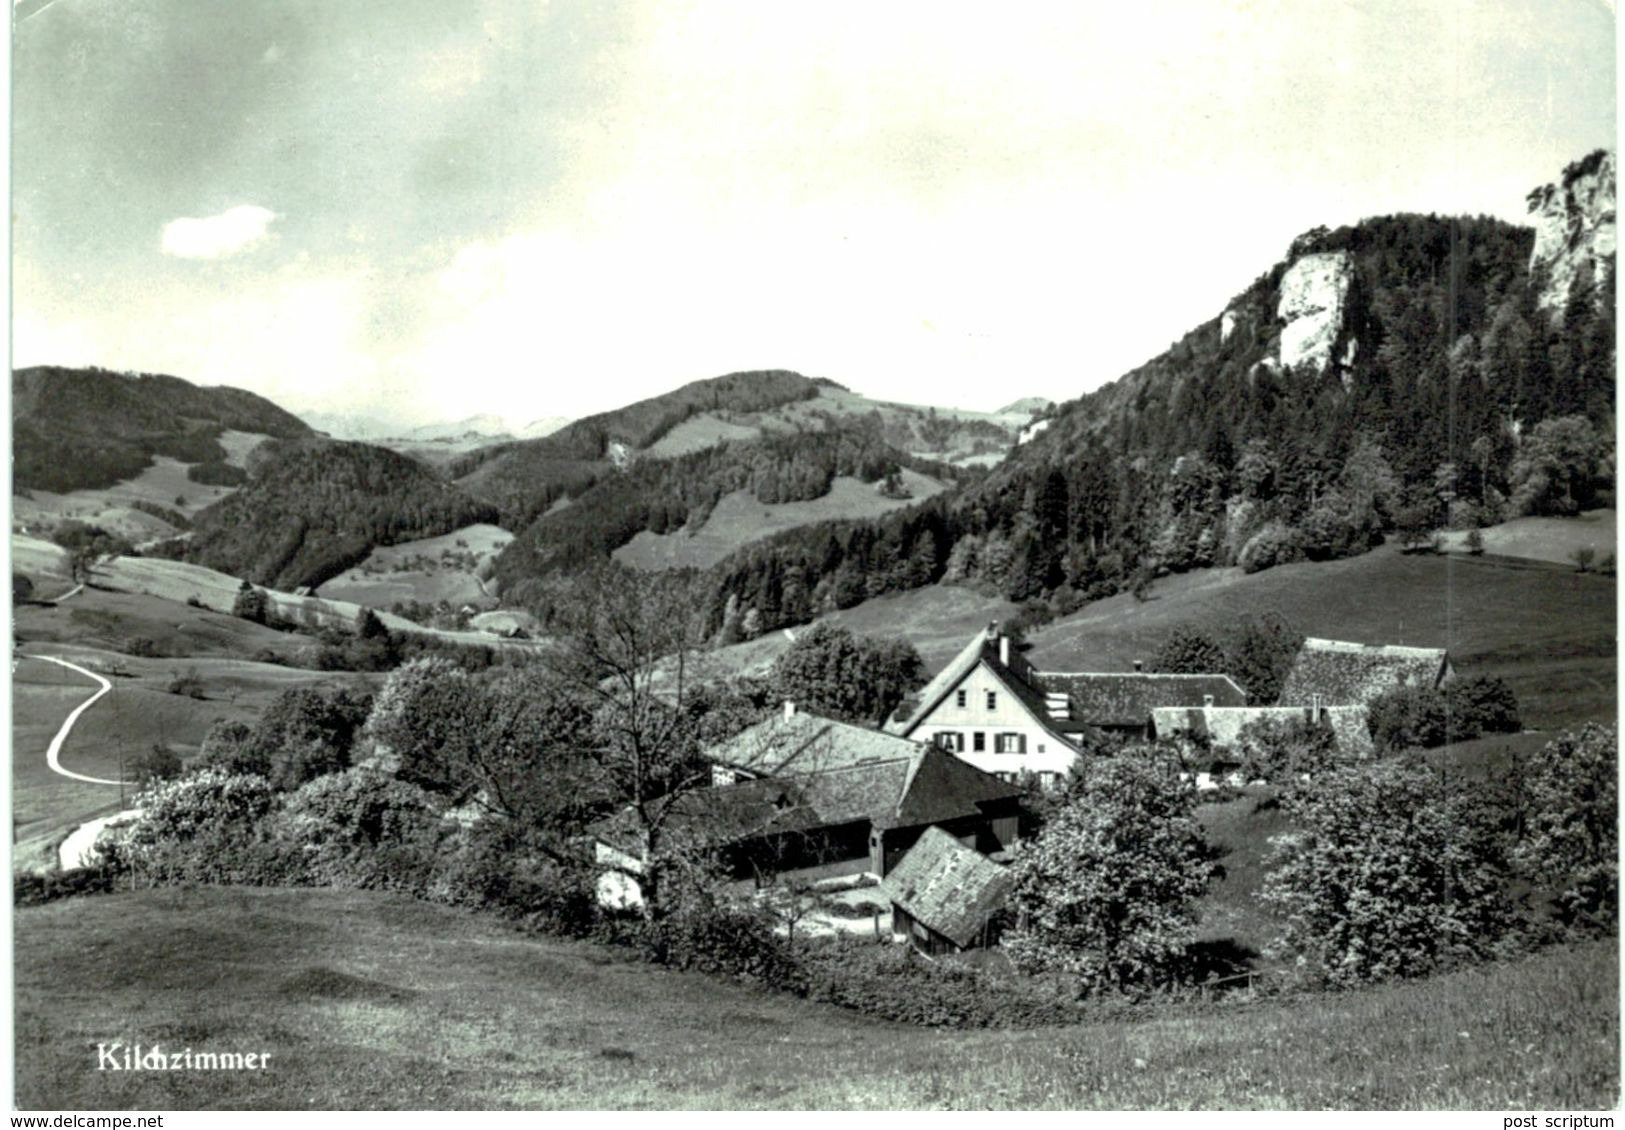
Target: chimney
1314,709
789,710
1207,700
1139,666
1004,650
992,629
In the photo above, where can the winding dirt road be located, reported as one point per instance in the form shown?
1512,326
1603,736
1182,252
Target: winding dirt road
53,752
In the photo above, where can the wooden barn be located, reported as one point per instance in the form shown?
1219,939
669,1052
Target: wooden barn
947,897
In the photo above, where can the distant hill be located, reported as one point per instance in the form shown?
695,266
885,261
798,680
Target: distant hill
86,429
313,507
525,478
1026,406
679,493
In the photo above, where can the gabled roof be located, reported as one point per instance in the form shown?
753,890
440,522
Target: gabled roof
1017,677
807,743
1222,725
927,787
1345,674
1127,698
947,886
915,708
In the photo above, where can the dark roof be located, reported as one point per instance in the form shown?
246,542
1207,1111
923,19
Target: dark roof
941,787
928,787
947,886
1017,676
1351,674
807,743
1127,699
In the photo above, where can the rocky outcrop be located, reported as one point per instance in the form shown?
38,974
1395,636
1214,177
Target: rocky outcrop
1312,308
1574,228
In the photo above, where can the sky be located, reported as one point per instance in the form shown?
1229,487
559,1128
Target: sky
419,210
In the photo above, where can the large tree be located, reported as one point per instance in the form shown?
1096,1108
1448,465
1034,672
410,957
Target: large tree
854,678
1571,794
1108,890
1387,872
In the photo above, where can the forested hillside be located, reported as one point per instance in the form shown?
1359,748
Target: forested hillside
314,507
524,479
85,429
661,495
1385,379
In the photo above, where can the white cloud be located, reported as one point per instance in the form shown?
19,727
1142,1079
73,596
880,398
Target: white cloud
214,237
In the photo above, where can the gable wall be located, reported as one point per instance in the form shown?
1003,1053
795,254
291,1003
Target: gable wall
1010,715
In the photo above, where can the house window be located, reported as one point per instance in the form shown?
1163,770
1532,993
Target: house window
950,741
992,700
978,741
959,699
1010,743
1040,747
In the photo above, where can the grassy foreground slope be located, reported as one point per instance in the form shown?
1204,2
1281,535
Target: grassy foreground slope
369,1001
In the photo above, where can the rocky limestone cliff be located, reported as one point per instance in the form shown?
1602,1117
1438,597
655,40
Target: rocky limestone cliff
1574,227
1312,307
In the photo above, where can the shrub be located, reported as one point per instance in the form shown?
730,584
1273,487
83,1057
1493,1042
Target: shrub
141,646
1409,717
1107,891
32,889
1583,556
189,684
1189,651
22,589
1475,542
1406,717
361,828
894,983
1280,750
1483,704
1572,842
205,827
1275,543
495,865
250,604
160,763
1385,874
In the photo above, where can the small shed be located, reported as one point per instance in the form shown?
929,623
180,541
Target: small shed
947,897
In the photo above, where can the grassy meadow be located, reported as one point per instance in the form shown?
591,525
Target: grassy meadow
739,519
1548,631
162,483
376,1001
428,570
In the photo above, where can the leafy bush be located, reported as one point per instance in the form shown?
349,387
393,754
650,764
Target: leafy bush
205,827
496,866
187,683
1413,717
1107,891
1408,717
1188,651
894,983
1572,840
33,889
1275,543
1280,750
361,828
1385,874
159,763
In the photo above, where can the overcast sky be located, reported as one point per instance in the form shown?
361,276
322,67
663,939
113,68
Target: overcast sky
424,209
